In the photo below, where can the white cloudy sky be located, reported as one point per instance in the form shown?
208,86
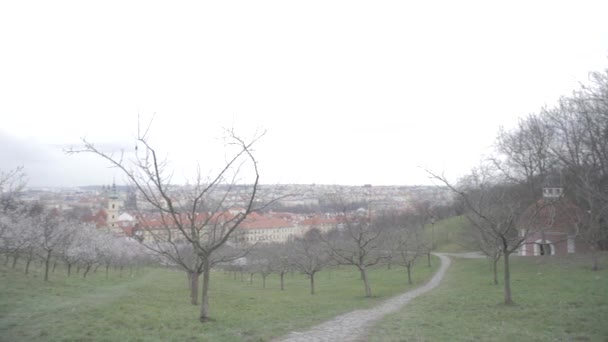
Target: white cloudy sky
350,92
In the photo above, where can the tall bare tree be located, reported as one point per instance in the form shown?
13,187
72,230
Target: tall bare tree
581,124
500,209
357,243
201,213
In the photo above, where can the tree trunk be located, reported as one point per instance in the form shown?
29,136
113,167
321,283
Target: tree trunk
495,270
27,264
54,266
120,273
15,258
282,275
193,277
508,298
7,259
594,260
107,269
368,290
86,271
428,258
69,268
264,275
409,273
312,283
47,262
205,295
251,278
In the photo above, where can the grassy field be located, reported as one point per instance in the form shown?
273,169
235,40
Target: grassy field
446,235
154,305
558,299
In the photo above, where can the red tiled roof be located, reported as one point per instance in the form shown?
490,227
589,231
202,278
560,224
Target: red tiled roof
560,214
260,222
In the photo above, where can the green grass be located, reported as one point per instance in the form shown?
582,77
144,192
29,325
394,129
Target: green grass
557,299
154,305
446,235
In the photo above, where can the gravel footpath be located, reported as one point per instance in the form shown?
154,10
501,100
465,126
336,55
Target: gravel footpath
352,326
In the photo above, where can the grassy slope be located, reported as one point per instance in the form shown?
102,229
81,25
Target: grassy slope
558,299
153,306
446,234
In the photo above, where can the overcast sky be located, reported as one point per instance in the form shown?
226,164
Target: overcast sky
350,92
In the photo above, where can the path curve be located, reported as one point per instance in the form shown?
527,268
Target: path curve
353,325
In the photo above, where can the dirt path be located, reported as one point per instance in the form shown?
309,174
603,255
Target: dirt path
352,326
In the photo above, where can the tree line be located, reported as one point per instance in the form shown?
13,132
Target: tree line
388,239
565,147
32,233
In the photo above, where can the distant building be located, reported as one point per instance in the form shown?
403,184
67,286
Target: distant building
552,222
323,223
258,228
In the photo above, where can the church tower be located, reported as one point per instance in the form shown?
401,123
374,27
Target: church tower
114,204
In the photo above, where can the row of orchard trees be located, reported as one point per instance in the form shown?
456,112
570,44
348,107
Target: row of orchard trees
358,241
563,146
31,233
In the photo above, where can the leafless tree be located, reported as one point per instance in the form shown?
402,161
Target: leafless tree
488,245
278,258
310,255
11,183
524,153
358,243
198,214
501,210
581,125
260,261
53,233
403,240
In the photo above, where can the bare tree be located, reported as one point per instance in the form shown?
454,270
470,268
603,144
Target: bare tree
500,209
11,183
358,243
581,125
260,261
199,213
488,245
524,153
54,231
309,255
404,247
277,258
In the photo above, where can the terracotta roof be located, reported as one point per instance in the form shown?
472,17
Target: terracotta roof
260,222
559,214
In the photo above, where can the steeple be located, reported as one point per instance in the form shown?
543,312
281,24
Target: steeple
113,194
